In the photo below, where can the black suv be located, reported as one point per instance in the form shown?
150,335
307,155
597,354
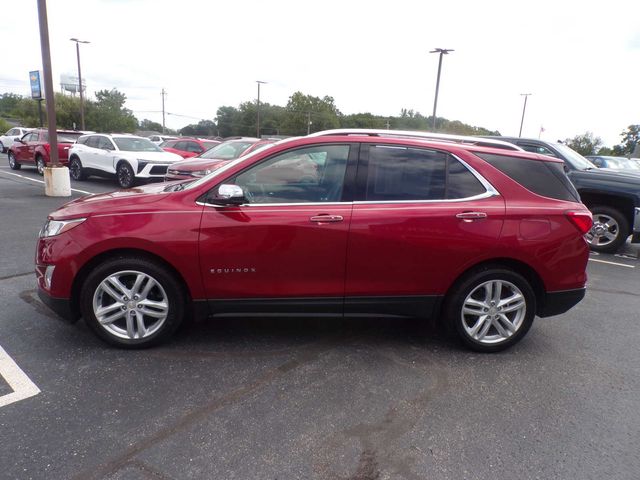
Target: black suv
613,196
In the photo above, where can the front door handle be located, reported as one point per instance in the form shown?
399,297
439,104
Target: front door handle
326,218
470,216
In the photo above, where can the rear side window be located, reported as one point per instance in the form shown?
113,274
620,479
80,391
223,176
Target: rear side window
543,178
413,174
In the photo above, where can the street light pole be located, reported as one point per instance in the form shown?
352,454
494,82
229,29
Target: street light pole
258,109
441,51
524,108
78,42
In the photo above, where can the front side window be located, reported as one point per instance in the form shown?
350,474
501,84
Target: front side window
92,142
193,147
105,144
305,175
413,174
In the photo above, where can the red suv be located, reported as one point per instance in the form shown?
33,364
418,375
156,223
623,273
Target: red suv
33,149
338,223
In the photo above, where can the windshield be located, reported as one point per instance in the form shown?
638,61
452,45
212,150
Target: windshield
136,144
574,158
64,137
227,150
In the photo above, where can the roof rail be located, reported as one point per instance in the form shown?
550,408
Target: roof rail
437,137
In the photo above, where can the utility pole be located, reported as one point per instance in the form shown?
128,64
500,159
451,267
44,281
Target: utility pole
163,95
388,124
441,51
524,108
48,82
78,42
308,123
258,110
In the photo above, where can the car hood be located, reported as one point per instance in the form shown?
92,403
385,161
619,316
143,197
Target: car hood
198,164
112,202
628,176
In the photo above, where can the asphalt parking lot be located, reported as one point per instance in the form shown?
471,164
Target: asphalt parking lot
324,399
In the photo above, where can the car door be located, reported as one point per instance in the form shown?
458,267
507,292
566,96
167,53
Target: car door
285,248
104,155
25,150
88,153
420,217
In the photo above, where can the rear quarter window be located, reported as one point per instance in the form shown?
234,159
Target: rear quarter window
542,178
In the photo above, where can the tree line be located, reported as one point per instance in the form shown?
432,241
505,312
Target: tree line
301,115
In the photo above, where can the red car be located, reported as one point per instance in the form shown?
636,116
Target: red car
389,224
215,158
188,147
33,149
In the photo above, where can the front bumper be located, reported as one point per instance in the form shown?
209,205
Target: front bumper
60,306
151,169
555,303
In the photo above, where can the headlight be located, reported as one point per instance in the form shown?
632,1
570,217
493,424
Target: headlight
56,227
201,173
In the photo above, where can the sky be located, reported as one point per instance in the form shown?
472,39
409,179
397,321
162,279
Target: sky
580,60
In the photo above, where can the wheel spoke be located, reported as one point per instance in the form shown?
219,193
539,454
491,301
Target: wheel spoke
485,329
512,303
488,292
138,283
471,311
497,291
108,320
482,320
117,284
142,329
147,288
131,332
501,330
108,309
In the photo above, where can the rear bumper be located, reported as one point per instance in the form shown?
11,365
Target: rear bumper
555,303
60,306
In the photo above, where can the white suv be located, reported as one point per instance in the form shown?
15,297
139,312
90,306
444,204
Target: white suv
11,136
126,157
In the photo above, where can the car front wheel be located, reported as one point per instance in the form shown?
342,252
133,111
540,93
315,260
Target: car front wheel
125,175
132,302
491,309
13,163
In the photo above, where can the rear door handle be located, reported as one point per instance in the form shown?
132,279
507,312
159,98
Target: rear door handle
326,218
469,216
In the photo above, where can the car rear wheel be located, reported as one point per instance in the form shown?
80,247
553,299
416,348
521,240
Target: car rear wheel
40,165
13,163
75,169
125,175
491,309
132,302
609,231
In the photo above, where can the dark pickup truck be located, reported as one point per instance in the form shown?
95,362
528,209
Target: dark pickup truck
613,196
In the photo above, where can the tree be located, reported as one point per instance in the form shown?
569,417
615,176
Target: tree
301,109
150,125
630,139
585,144
108,114
204,128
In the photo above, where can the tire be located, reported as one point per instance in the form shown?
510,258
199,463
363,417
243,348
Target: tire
40,165
125,175
610,230
13,163
153,309
494,327
76,172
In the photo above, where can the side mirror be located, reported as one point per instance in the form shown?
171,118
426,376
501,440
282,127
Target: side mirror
229,195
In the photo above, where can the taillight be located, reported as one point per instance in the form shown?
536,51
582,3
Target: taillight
581,220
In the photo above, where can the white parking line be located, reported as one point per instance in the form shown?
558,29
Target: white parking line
42,181
21,385
611,263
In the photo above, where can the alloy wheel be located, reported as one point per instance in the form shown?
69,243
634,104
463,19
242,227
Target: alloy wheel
40,165
493,312
604,231
130,304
